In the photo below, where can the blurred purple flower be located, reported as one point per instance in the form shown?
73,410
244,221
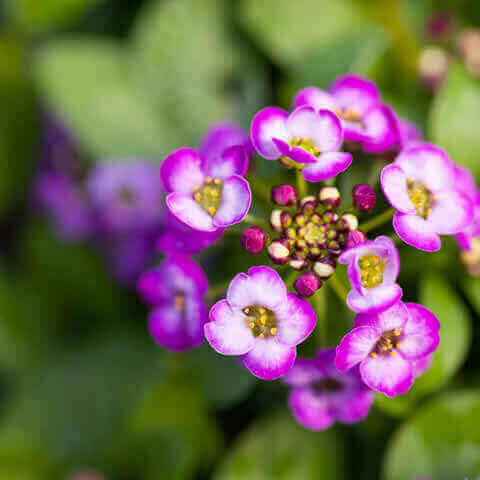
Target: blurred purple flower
321,394
176,290
408,133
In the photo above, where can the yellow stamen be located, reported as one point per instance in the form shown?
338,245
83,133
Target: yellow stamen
262,335
208,180
197,197
217,181
212,210
251,325
393,353
373,355
273,331
263,319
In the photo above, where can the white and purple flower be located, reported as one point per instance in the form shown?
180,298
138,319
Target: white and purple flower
421,186
356,101
321,394
373,268
388,346
207,193
176,290
307,139
261,322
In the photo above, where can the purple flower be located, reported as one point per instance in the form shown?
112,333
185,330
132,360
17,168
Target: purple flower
207,193
261,322
176,237
373,268
176,289
321,394
421,365
408,133
421,185
387,345
66,205
127,197
222,136
307,139
357,103
469,237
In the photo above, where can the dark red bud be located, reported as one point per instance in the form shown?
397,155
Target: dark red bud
253,240
284,195
307,284
364,197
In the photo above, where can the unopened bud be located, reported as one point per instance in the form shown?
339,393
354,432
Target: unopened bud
347,222
298,261
279,251
354,238
253,240
308,204
307,284
433,66
364,197
275,220
329,197
284,195
325,267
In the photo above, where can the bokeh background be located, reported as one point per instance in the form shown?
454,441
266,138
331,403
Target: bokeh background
83,388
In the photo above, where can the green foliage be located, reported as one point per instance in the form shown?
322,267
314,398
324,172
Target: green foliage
441,441
453,122
277,448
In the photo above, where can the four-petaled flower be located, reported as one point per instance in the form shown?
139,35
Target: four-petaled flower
421,186
356,101
307,139
176,290
207,193
373,268
387,346
321,394
261,322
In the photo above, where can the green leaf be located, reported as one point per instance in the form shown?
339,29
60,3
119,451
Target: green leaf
33,16
442,441
471,287
88,82
454,117
455,337
278,449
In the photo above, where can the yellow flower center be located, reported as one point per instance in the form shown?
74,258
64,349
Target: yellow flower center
261,321
306,144
209,195
387,344
179,302
349,115
421,197
371,270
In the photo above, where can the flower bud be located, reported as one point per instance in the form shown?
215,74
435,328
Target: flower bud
433,66
330,217
275,220
307,284
329,197
253,240
325,267
364,197
440,25
354,238
469,47
334,248
279,251
298,261
299,219
347,222
284,195
308,204
285,219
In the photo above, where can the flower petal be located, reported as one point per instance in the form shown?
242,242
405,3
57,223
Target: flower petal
387,374
375,299
416,231
355,346
311,410
420,335
188,211
296,320
262,286
328,166
302,373
355,92
394,318
232,161
235,203
268,124
269,359
392,259
181,171
316,98
355,406
228,332
451,213
394,185
297,154
381,127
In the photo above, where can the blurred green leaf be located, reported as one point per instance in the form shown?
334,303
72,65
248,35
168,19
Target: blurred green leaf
455,337
442,441
88,83
471,287
453,121
35,16
17,124
277,448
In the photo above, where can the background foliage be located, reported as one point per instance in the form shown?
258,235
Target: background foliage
81,383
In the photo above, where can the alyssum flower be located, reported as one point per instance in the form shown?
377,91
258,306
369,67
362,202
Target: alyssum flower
373,268
207,193
321,394
261,322
387,346
421,186
176,290
357,103
305,139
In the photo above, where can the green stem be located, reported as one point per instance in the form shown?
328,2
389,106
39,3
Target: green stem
290,279
260,189
335,284
301,184
377,221
320,306
216,290
252,220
